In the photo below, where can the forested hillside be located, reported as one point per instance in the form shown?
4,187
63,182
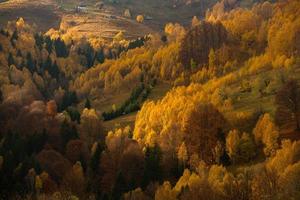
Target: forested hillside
205,110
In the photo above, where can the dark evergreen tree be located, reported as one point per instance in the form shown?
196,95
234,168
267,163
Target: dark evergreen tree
69,99
120,187
54,70
10,59
87,103
153,171
89,55
39,40
19,54
15,35
95,159
74,114
46,66
14,38
18,160
67,133
22,65
225,159
136,43
110,54
100,56
221,136
73,97
177,169
145,94
164,38
30,63
61,49
36,142
49,44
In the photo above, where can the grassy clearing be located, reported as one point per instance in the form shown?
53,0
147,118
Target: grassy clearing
120,122
157,93
105,104
248,105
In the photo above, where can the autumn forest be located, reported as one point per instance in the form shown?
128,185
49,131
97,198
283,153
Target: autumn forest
109,100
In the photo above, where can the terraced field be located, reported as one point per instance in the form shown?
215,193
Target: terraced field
104,22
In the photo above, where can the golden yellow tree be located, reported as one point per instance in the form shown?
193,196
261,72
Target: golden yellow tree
195,21
91,125
266,133
182,154
140,18
165,192
74,180
232,142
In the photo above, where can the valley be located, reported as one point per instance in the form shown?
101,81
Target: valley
149,99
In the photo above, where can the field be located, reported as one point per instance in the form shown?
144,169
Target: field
161,12
43,14
104,22
252,103
157,93
50,14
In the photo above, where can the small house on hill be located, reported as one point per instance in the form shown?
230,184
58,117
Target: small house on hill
82,7
148,17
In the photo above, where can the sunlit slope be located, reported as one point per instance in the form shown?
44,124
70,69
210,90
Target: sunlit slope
42,13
